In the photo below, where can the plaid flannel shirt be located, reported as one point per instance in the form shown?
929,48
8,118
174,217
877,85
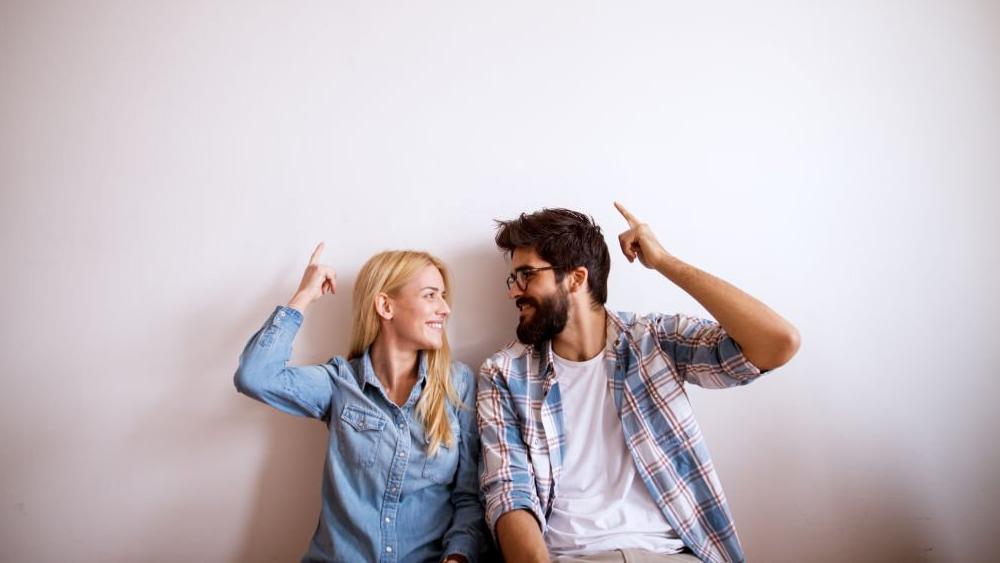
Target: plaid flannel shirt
650,357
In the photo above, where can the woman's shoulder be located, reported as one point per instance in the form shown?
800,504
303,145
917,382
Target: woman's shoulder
342,369
462,378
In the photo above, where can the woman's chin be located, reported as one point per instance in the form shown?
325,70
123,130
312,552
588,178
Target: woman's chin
433,344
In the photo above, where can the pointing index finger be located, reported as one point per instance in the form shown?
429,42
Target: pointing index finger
314,259
632,219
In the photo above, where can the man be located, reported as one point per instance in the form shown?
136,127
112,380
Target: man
591,451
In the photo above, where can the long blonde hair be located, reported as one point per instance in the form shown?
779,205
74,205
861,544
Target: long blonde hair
387,272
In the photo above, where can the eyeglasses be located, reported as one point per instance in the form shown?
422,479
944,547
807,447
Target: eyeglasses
523,276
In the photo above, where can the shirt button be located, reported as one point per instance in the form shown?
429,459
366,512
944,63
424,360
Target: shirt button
387,519
388,549
402,454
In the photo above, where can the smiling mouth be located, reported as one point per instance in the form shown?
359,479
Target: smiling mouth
438,325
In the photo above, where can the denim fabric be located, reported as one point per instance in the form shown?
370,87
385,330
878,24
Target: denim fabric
384,499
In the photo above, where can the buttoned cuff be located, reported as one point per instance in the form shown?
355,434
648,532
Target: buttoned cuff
464,546
286,316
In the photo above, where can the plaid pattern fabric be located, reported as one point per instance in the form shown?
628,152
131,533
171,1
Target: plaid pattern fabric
651,358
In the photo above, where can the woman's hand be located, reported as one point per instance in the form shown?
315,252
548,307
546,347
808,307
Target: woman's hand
317,281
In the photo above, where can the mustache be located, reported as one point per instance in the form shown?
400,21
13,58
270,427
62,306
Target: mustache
525,301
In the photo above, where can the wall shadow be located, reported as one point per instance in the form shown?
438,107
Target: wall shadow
284,500
483,318
287,496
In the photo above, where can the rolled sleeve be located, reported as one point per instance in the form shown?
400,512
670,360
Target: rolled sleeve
507,478
703,352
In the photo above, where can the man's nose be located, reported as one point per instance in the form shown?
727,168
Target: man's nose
513,292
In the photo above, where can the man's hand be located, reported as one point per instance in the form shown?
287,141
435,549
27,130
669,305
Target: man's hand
639,241
767,339
317,281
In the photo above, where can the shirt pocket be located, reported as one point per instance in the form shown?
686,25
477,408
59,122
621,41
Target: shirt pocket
360,431
440,468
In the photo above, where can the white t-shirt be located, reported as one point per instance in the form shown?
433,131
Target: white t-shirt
602,503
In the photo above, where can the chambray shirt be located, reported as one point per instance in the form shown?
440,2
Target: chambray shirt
650,358
384,499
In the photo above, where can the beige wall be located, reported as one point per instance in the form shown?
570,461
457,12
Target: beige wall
167,167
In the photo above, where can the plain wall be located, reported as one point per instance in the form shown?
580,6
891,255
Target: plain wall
167,167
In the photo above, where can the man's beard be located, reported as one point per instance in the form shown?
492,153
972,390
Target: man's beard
548,318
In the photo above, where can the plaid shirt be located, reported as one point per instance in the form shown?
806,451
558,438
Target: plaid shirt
650,357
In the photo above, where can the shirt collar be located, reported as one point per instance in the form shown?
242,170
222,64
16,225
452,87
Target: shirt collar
366,373
615,331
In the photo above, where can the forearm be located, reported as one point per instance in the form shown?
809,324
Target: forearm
520,538
766,339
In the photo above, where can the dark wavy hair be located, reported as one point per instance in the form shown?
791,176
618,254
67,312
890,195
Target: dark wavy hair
564,238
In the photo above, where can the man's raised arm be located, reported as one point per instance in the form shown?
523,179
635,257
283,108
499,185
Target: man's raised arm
766,339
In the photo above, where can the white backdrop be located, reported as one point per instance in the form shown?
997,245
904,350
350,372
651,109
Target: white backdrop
167,167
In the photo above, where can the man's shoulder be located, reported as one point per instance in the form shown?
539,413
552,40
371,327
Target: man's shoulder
639,326
629,321
512,358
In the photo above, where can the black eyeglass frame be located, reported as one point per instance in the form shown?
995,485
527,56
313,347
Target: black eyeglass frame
523,274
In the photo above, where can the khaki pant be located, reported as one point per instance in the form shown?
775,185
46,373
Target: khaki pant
629,556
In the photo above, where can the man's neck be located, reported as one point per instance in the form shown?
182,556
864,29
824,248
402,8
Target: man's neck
584,336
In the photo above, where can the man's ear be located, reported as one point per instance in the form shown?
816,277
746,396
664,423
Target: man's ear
383,306
578,279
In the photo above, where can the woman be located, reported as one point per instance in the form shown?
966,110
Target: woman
401,475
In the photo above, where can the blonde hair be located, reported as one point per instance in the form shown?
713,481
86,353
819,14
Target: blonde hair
387,272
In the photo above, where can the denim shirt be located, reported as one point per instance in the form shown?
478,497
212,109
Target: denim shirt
384,499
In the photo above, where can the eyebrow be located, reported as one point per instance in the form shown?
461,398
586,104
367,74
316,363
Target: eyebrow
430,287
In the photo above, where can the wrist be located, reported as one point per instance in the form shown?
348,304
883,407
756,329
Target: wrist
299,302
668,264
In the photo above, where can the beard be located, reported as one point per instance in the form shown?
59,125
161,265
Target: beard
547,319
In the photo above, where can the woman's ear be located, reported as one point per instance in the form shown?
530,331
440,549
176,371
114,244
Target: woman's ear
383,306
